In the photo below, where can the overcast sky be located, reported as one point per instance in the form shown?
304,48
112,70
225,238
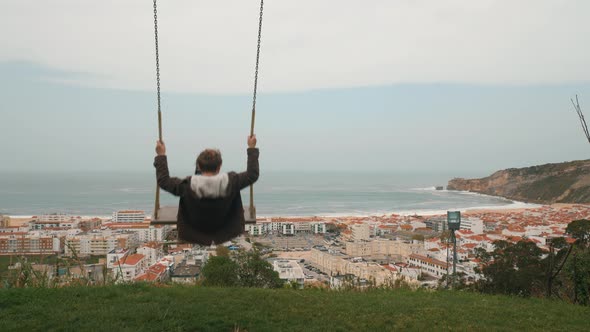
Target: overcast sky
386,85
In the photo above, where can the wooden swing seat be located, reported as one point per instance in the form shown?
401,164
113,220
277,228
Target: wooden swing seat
167,215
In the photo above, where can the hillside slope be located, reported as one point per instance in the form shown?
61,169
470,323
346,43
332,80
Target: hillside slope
181,308
567,182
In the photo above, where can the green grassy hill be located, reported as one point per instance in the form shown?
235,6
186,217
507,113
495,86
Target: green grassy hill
182,308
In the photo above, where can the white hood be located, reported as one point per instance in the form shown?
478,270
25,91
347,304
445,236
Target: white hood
210,186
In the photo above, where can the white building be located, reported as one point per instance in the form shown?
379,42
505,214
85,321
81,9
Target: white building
153,233
197,257
4,221
289,271
129,216
185,273
156,272
428,265
348,280
360,232
334,263
53,224
28,243
302,227
318,228
145,231
153,252
285,227
59,217
129,267
384,248
256,229
114,256
288,228
96,244
537,230
408,272
473,224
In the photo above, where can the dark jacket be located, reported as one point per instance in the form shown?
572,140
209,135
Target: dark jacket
210,208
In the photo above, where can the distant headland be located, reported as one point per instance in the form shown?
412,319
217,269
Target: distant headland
567,182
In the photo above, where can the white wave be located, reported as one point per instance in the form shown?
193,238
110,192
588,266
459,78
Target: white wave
411,212
424,189
135,190
470,193
511,206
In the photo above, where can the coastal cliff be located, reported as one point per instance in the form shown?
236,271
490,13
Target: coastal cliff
567,182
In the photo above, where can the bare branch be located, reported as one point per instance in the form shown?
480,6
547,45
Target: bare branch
578,109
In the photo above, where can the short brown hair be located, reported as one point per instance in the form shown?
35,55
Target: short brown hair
209,160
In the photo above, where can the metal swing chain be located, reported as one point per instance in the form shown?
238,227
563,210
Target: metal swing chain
252,209
157,68
157,203
256,71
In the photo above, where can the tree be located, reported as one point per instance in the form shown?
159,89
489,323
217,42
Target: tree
243,269
512,268
222,251
579,230
332,228
418,237
220,271
254,271
555,263
458,282
578,269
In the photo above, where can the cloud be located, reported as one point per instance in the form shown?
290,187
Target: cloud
209,47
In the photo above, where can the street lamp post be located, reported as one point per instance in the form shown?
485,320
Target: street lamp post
454,224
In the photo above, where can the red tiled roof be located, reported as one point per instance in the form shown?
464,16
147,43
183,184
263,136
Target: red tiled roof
153,245
389,267
130,260
127,225
513,238
479,238
152,273
429,260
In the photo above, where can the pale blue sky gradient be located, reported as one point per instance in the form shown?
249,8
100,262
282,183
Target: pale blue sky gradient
464,128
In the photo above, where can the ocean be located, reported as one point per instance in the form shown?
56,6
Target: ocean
276,194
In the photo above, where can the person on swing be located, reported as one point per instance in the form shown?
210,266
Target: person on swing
210,208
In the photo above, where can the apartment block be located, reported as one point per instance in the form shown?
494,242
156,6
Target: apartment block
129,267
285,227
145,231
334,263
384,248
428,265
289,271
95,244
129,216
28,244
360,232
